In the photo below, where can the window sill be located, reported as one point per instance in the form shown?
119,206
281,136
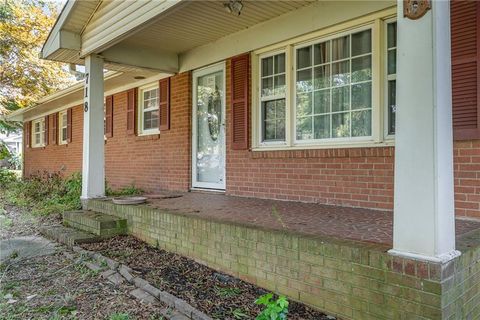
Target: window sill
330,145
148,133
146,137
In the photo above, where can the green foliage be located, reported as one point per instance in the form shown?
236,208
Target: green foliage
7,177
4,152
227,292
45,193
15,161
119,316
274,309
125,191
239,313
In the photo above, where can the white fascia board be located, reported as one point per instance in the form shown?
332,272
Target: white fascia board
53,42
61,40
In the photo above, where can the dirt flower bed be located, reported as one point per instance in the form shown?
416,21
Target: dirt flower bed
54,287
216,294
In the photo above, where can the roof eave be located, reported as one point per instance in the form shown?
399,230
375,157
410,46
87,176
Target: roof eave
52,43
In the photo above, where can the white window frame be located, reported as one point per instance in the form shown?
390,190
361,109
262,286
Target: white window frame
141,109
375,22
286,96
61,125
320,40
40,133
386,76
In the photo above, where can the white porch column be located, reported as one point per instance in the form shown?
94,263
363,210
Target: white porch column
93,173
424,217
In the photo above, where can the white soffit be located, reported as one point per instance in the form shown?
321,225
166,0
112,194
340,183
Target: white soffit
201,22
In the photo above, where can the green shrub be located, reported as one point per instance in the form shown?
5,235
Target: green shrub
7,178
274,309
46,193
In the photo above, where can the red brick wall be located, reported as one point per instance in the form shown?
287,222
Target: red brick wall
153,162
65,158
360,177
467,178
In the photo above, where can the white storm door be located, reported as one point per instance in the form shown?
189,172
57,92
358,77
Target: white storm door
208,128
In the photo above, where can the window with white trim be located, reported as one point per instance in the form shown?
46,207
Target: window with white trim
272,97
391,76
38,133
62,127
336,88
149,113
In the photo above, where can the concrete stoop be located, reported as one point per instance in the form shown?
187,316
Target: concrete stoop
100,224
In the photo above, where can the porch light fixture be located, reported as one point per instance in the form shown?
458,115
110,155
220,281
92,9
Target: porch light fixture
139,77
234,7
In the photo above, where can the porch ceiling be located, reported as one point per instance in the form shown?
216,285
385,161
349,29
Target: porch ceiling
202,22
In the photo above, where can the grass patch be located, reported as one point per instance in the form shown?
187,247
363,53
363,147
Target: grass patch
5,222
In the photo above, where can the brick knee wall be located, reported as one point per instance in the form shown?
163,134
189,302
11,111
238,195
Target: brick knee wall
359,177
350,279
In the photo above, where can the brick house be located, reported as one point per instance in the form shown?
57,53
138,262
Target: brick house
275,100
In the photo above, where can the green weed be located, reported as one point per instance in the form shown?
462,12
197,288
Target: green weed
274,309
227,292
119,316
125,191
44,194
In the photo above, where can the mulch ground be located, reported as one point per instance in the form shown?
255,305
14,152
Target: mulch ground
54,287
218,295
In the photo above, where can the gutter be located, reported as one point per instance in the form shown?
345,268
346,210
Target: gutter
15,116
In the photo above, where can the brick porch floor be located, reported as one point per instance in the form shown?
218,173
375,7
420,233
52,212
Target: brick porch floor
306,218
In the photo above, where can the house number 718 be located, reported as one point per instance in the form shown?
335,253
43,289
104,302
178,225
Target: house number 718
85,105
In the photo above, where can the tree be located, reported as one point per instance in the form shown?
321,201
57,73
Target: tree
24,77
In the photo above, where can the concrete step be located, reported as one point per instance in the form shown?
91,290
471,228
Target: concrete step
68,236
100,224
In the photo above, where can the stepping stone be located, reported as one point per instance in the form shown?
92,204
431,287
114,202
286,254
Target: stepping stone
143,296
26,247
